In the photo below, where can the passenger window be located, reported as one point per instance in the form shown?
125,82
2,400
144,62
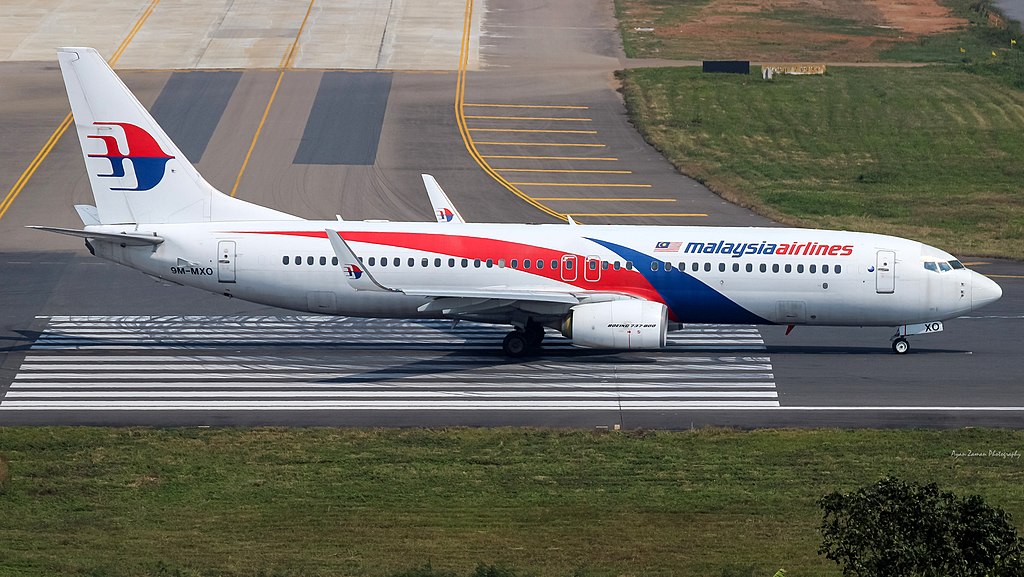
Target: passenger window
298,260
323,260
285,260
501,263
490,263
604,265
824,269
629,265
654,265
425,262
451,263
398,261
554,264
617,265
789,268
334,261
372,261
540,264
764,267
514,263
592,265
812,268
383,261
465,262
476,263
527,262
735,267
437,263
775,268
412,261
721,267
707,267
568,264
799,268
695,267
750,267
309,260
839,268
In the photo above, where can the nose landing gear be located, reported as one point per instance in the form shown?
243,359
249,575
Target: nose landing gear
900,344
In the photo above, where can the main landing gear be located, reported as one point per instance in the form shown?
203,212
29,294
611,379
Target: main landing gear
519,343
900,344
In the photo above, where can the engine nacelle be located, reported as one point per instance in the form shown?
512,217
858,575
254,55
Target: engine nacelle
625,324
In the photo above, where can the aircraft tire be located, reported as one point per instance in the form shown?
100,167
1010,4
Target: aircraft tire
900,346
515,344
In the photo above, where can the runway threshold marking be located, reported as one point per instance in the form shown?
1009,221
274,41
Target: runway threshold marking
19,185
460,118
286,63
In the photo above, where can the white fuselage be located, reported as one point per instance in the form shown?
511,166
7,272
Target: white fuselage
702,274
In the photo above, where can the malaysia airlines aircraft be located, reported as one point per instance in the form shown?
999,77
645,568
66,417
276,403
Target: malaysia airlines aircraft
615,287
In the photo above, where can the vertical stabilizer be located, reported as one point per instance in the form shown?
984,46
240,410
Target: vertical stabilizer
137,174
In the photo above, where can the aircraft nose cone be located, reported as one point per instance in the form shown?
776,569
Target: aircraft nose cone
984,291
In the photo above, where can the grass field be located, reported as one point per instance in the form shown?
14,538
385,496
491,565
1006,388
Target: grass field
935,154
85,501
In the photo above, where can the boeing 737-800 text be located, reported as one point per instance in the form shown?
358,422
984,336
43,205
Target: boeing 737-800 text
619,287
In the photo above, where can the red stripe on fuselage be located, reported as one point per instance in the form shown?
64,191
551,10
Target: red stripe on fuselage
622,281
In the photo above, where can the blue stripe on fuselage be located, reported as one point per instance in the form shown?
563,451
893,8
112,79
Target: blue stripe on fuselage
689,299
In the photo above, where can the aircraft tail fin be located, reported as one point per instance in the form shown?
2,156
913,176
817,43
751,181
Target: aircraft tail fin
157,184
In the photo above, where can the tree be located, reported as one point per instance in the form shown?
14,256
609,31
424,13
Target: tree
898,529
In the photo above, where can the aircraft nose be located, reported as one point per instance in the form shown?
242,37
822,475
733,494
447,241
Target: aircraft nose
983,290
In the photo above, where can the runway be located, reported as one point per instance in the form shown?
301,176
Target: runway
537,130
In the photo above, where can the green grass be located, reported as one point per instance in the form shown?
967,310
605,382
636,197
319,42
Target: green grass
84,501
929,153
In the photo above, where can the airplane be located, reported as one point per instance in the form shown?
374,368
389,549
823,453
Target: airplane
601,286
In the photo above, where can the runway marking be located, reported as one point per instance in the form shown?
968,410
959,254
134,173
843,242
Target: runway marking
464,132
276,363
527,106
564,170
540,130
19,185
539,118
286,63
547,158
591,145
609,199
582,184
633,214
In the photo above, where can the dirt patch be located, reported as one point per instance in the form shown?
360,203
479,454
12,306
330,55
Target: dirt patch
785,30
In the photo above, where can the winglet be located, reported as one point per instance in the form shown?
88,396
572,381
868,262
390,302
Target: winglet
358,277
444,210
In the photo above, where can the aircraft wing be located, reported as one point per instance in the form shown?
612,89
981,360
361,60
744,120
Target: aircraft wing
446,298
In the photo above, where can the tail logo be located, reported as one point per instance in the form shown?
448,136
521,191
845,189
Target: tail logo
353,271
444,215
148,159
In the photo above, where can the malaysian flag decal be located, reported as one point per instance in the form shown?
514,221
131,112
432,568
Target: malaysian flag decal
667,247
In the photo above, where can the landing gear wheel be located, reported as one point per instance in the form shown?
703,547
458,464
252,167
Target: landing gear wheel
534,335
900,346
515,344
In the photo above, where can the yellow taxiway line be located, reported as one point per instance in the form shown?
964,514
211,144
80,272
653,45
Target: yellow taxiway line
544,118
564,170
548,157
542,144
538,130
19,185
481,104
607,199
675,214
581,184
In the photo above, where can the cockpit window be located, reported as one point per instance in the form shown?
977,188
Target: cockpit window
944,267
929,265
956,264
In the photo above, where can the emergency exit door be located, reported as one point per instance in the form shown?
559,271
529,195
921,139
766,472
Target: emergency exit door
885,272
226,261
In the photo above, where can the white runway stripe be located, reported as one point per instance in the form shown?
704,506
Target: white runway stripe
337,363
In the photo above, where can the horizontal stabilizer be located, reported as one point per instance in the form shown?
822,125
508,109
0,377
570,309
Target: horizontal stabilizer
125,238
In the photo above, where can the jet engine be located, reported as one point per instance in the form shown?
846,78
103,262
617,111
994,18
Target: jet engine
624,324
